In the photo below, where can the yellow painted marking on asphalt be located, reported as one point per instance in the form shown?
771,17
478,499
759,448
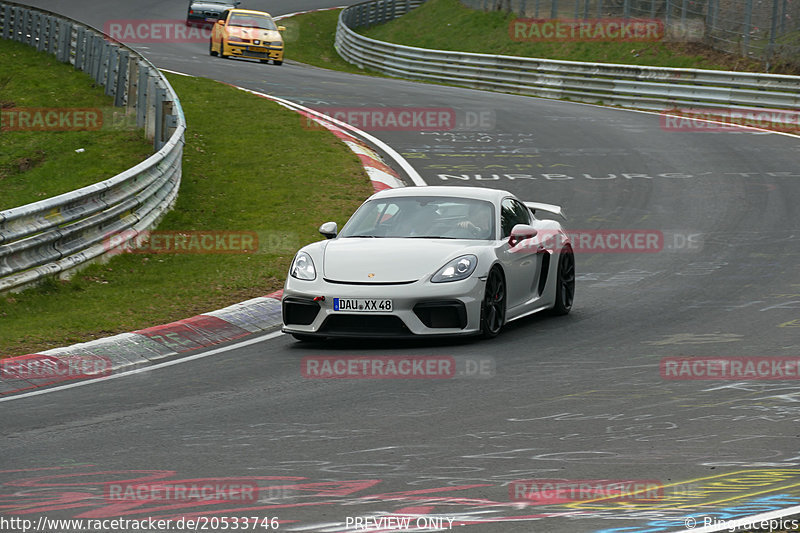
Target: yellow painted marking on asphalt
699,489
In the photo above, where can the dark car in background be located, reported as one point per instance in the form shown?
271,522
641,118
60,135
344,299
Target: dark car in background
207,12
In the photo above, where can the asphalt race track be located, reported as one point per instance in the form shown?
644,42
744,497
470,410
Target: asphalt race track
575,398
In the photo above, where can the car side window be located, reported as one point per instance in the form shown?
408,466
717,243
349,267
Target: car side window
513,212
224,15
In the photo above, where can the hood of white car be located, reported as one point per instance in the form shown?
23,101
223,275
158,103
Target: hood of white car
387,260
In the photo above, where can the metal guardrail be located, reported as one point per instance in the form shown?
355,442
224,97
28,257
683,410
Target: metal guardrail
56,235
653,88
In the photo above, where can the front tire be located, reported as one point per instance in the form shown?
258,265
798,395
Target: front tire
493,307
276,62
211,51
565,282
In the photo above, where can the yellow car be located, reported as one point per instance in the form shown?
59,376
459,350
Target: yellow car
246,33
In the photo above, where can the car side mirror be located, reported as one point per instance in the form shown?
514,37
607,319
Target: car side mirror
521,232
281,28
329,230
221,21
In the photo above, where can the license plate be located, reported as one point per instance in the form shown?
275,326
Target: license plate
362,305
258,49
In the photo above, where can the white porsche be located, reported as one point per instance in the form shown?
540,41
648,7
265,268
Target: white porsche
430,261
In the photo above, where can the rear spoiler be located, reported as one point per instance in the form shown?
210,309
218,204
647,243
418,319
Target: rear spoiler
550,208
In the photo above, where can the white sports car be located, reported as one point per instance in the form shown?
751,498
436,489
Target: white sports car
430,261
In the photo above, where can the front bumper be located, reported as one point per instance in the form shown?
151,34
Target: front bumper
419,308
253,51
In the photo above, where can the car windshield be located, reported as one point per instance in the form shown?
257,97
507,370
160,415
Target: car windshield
422,217
251,20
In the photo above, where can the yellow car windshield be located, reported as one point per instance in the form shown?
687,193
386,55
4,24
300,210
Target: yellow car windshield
252,21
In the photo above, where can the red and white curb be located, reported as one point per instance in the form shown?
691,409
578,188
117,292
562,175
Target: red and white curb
127,350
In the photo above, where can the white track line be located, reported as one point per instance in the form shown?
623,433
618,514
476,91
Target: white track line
185,359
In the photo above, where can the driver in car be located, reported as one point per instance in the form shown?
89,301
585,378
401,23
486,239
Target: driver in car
478,221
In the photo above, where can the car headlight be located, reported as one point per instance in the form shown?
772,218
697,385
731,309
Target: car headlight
303,267
457,269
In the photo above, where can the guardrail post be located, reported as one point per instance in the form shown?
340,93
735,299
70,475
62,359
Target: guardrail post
17,28
38,31
26,24
35,31
44,23
170,120
97,56
626,10
64,38
94,55
59,41
80,48
151,108
5,29
52,45
103,63
684,8
161,95
72,43
132,92
113,57
554,9
141,97
122,78
55,38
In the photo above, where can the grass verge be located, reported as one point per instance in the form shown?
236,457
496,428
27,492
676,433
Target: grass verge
448,25
309,39
249,165
35,165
